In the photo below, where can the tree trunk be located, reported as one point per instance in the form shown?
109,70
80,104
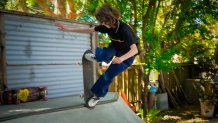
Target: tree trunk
60,9
134,15
22,6
72,14
143,55
216,55
45,7
175,35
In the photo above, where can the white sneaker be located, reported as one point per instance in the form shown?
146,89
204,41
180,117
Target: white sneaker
93,101
90,57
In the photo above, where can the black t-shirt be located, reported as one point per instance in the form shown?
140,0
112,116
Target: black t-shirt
122,36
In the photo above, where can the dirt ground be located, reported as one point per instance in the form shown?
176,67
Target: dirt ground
187,114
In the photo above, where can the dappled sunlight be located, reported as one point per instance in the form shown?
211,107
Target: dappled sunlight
171,117
190,113
183,119
195,120
186,114
28,110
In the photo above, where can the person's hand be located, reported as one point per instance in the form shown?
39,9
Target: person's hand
117,60
61,26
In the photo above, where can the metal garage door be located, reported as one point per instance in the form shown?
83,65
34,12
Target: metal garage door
38,54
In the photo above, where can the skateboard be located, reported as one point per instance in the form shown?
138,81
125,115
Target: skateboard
87,77
22,95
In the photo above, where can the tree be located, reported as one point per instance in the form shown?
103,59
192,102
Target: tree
2,4
57,8
165,27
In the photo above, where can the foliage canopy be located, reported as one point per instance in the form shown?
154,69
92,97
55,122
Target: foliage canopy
187,28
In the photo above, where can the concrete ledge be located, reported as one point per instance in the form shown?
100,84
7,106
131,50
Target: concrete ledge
112,109
9,112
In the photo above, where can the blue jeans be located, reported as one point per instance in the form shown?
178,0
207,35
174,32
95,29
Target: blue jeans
100,88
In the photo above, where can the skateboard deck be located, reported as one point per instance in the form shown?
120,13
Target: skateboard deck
21,95
87,72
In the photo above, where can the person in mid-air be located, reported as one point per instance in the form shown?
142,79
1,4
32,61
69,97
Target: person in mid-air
124,46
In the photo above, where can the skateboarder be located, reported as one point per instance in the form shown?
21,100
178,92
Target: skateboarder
123,46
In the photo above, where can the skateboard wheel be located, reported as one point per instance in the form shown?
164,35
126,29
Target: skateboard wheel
17,102
45,88
81,95
45,99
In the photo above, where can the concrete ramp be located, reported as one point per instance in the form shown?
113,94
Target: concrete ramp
106,112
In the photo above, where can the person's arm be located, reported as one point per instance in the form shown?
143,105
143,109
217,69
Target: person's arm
133,51
80,30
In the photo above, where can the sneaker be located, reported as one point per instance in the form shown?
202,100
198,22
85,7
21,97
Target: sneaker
90,57
93,101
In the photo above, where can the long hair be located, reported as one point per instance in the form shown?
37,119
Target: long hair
107,14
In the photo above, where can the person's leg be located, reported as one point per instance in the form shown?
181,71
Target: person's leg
101,54
104,54
100,88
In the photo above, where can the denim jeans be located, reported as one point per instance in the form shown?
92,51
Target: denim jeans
100,88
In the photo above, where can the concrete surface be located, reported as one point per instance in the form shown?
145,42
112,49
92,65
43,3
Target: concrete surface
111,109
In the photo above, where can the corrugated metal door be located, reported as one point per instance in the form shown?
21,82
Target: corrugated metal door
38,54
